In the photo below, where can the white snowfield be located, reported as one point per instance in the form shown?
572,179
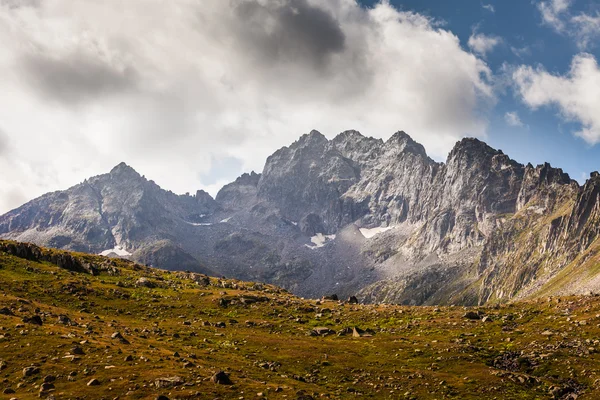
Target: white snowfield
199,223
320,240
118,250
370,232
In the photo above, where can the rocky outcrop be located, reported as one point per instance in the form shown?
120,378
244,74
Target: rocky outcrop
62,259
239,194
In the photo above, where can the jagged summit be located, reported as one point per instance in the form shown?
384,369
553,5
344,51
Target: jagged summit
123,169
314,136
349,135
471,145
406,143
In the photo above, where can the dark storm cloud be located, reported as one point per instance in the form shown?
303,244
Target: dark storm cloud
77,77
289,31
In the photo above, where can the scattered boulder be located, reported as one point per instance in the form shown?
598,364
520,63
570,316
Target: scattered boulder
302,395
5,311
221,378
94,382
168,382
118,336
145,282
45,387
30,371
357,332
35,320
63,319
473,315
352,300
321,331
333,297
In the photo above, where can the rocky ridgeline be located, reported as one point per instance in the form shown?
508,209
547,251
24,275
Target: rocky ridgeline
62,259
351,214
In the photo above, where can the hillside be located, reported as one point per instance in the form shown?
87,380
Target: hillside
79,326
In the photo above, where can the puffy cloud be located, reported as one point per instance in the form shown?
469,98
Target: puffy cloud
483,44
575,94
171,87
587,29
553,11
583,28
513,119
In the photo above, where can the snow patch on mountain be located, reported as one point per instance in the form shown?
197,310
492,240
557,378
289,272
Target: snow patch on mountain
371,232
118,250
320,240
199,223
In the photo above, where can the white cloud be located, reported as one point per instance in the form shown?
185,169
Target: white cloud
587,29
513,119
575,94
583,28
553,12
169,87
483,44
489,7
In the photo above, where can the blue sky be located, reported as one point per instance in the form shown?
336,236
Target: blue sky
545,136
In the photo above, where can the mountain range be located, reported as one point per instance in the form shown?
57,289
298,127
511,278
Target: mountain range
353,215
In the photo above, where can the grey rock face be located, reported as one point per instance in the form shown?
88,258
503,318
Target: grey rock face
351,215
239,194
120,208
308,177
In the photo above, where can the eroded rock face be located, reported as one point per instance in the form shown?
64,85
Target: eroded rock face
120,208
350,215
308,177
239,194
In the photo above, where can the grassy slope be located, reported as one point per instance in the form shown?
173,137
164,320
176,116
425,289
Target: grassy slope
416,352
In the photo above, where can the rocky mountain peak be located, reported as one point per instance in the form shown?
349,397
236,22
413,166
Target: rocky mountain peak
251,178
404,142
313,138
124,170
473,147
349,136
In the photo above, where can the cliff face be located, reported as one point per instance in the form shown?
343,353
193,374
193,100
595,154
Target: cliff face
347,215
120,211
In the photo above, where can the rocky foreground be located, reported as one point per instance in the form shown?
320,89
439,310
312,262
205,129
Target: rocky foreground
76,326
